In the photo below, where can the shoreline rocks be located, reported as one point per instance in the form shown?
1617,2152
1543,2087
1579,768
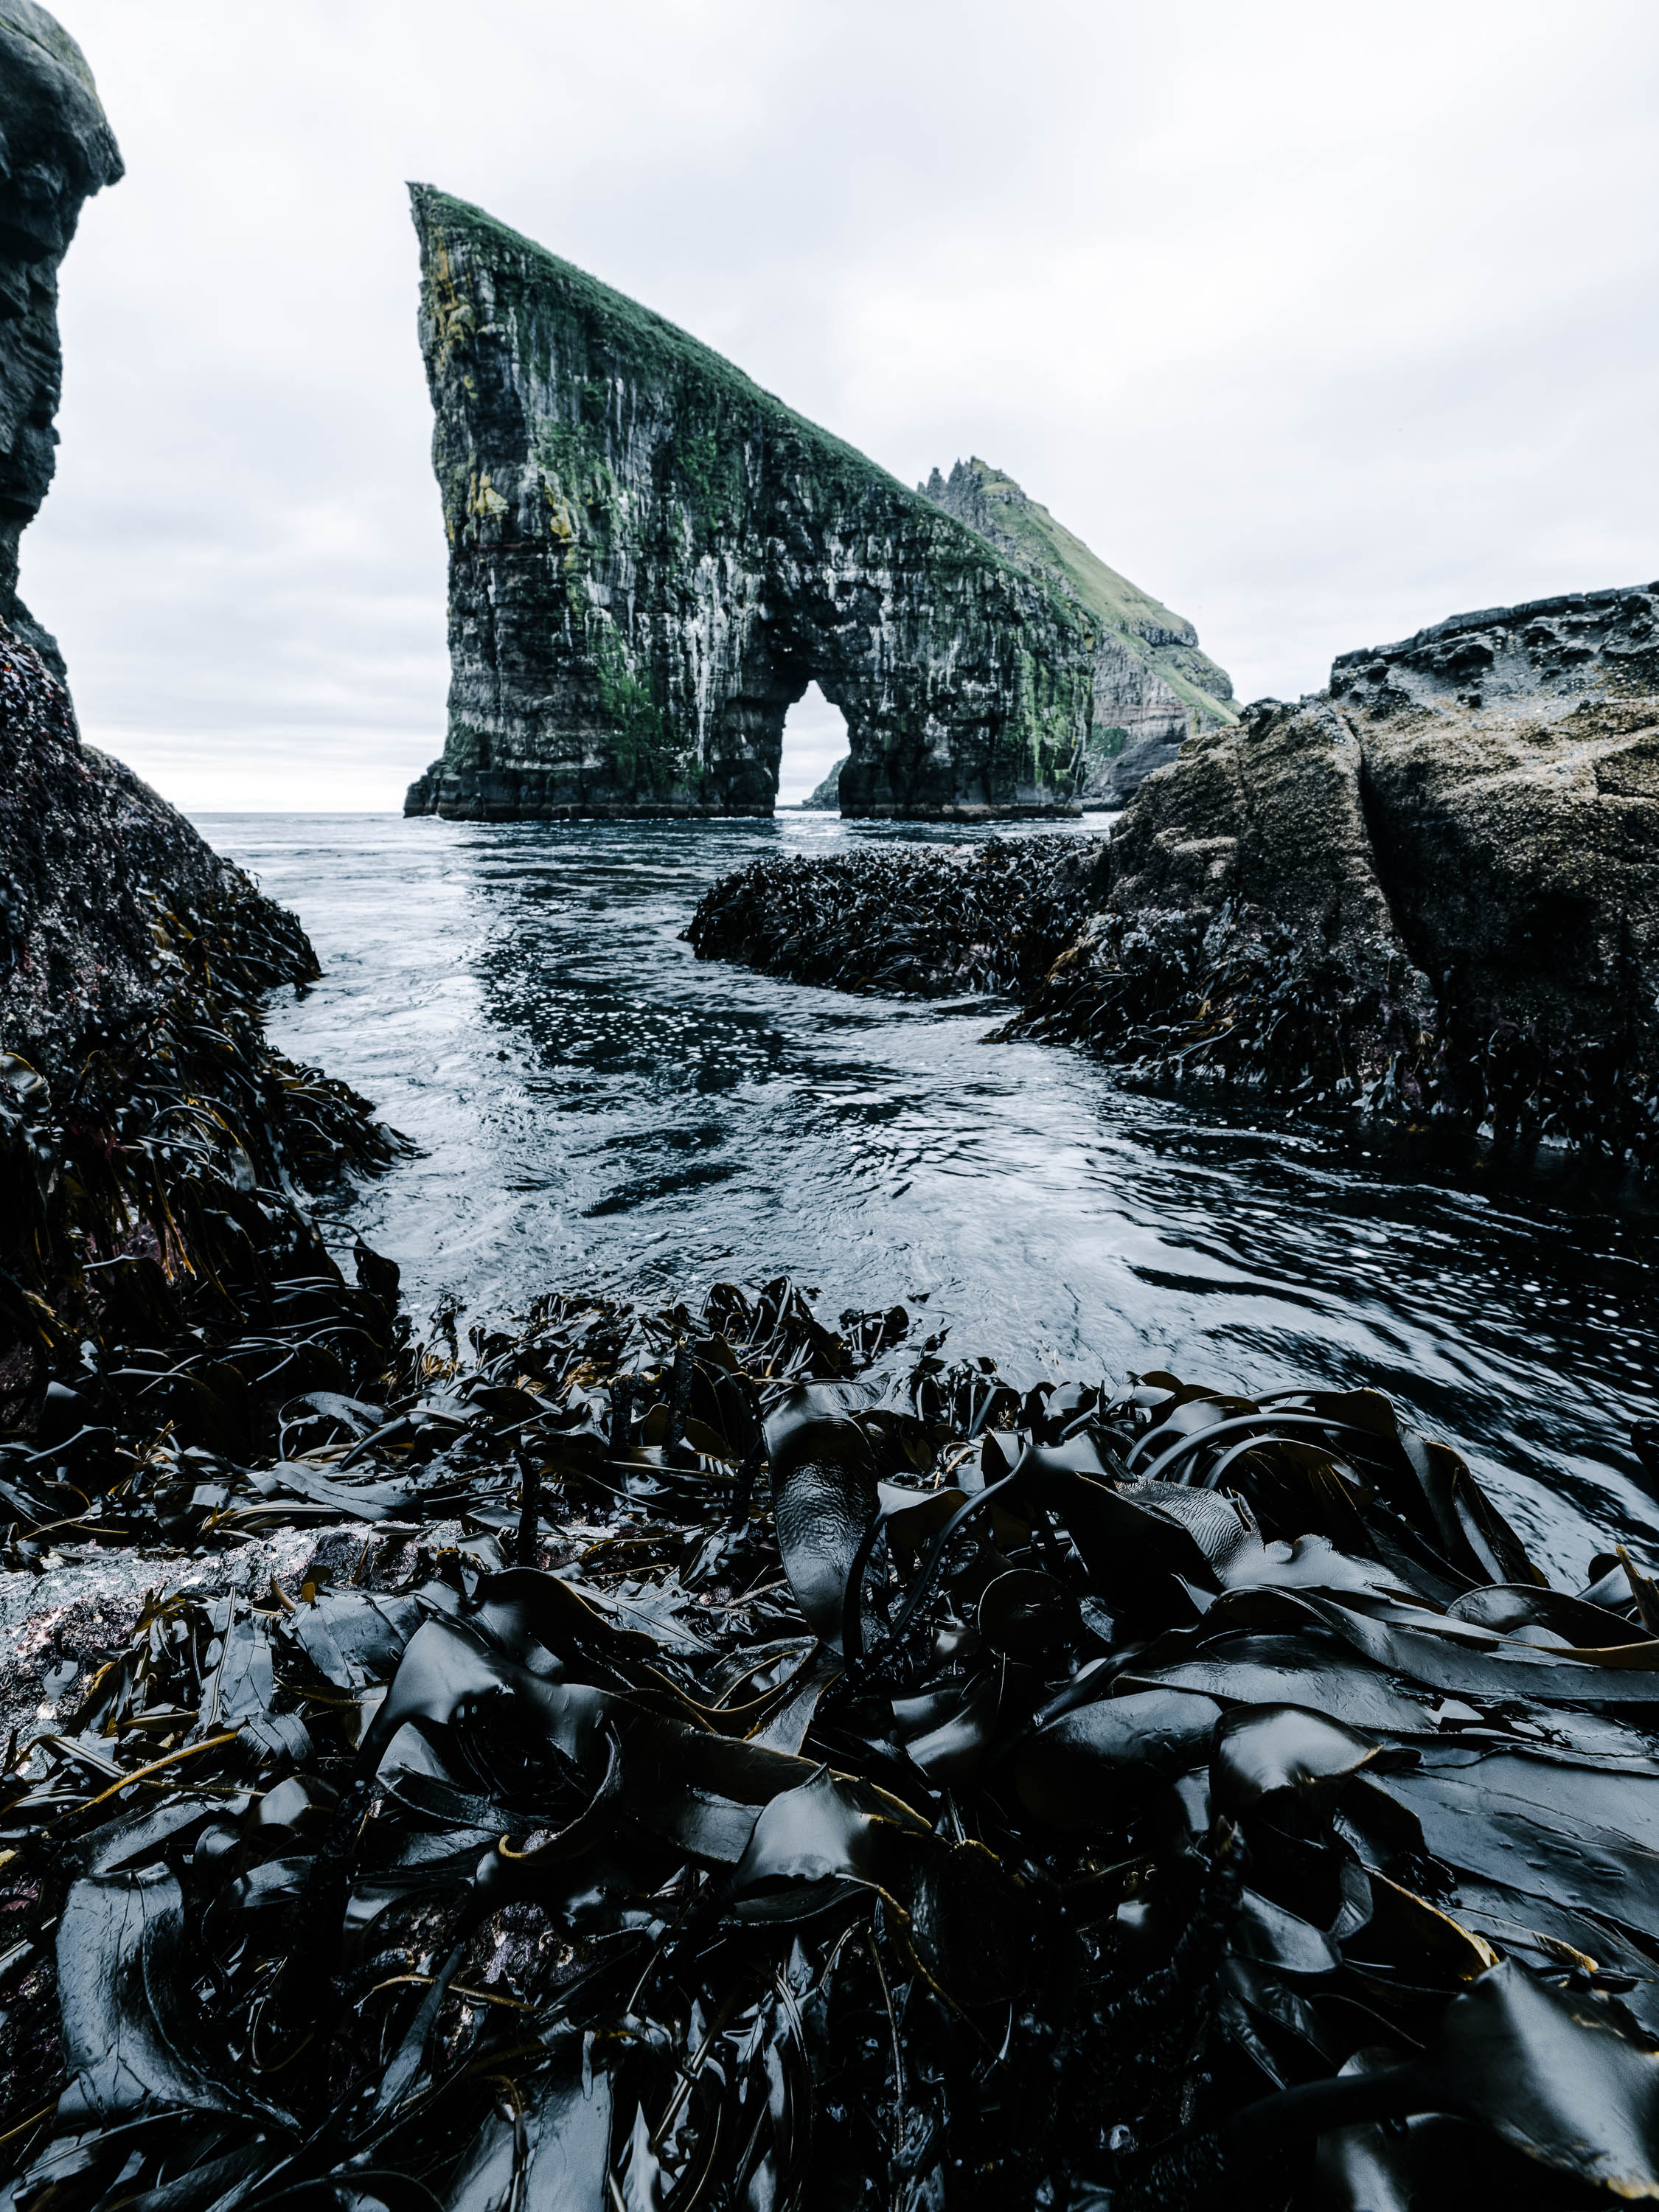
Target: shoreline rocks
932,923
1429,895
164,1288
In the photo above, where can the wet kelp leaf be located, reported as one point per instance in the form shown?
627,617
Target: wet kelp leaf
127,2045
882,1784
824,1499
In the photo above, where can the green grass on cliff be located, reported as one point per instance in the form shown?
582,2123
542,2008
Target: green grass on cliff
650,343
1054,551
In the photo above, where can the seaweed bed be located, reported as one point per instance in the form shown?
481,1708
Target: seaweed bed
735,1761
641,1759
930,921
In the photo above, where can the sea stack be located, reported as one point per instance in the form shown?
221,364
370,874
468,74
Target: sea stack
651,558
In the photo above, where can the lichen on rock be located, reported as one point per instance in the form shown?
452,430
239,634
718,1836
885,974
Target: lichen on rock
651,558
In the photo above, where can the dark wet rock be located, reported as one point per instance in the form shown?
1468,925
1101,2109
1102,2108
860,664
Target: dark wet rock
1430,894
94,864
928,921
651,558
1433,891
1152,687
55,148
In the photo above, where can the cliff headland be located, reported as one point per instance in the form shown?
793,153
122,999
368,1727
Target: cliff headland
1152,687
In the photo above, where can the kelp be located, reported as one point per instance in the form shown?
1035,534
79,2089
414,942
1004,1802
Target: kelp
736,1761
919,921
165,1285
1230,1001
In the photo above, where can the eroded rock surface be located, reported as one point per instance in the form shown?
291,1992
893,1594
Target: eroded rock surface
1152,687
651,558
55,148
1430,892
1435,889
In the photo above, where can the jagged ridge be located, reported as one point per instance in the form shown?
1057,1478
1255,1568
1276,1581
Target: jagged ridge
1152,687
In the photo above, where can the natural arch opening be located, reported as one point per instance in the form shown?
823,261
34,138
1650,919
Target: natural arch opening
815,744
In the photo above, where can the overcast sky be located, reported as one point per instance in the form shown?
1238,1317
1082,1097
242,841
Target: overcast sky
1320,321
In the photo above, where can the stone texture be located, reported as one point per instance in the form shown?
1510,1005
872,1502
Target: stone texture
650,559
93,864
55,148
1152,687
1433,890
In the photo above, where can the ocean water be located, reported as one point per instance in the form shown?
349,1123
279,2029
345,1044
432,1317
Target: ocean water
596,1109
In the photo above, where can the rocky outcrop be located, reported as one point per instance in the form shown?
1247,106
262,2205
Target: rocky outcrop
825,798
1152,687
1430,894
651,558
160,1276
97,875
920,921
1433,891
55,148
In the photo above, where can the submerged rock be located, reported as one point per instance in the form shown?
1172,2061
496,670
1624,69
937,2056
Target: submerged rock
1152,687
651,558
56,149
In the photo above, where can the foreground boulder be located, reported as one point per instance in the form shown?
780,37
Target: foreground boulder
1433,890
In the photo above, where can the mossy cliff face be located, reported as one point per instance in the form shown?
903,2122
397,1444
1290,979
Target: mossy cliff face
55,148
1152,687
651,558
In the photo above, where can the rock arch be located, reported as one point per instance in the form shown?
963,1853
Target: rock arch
651,558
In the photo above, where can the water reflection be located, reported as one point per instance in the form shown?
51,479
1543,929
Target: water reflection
595,1107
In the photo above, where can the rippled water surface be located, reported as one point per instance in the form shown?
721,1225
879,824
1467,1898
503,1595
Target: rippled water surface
597,1108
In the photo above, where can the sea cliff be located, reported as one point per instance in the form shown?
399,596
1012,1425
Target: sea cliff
1152,686
651,558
